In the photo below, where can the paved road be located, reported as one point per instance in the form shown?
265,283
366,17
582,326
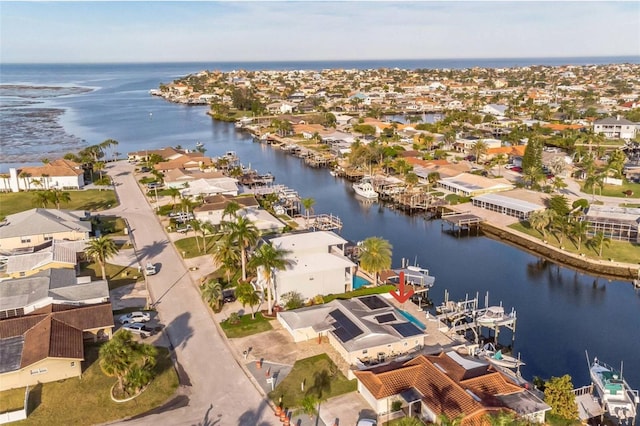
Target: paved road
214,389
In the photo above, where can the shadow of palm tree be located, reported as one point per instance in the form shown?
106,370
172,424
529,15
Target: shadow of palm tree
321,384
207,421
153,249
250,417
179,331
441,396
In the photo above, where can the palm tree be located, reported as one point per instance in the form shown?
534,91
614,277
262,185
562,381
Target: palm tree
132,363
207,228
579,230
231,209
479,149
375,255
58,196
501,418
244,234
267,259
41,199
308,205
598,241
212,293
99,167
592,181
195,225
101,249
173,193
247,295
25,177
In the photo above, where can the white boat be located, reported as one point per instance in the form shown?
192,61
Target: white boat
365,189
489,353
492,315
616,395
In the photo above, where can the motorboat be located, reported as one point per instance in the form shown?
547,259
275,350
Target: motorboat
365,189
493,315
496,357
619,400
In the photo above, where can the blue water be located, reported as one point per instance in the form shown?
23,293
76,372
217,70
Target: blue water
561,312
415,321
359,282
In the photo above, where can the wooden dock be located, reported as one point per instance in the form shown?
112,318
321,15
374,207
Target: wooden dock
460,221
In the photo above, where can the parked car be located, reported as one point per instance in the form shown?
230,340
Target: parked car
145,169
153,185
133,317
150,269
367,422
138,328
228,296
516,169
185,229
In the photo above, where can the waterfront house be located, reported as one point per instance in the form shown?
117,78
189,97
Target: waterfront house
316,264
195,183
615,128
20,296
518,203
190,161
470,185
496,110
213,207
37,227
363,330
48,344
616,223
448,384
58,174
168,153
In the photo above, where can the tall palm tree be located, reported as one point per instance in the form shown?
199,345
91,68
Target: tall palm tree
479,149
212,293
579,230
308,203
244,234
598,242
226,254
25,176
268,259
99,167
173,193
132,363
375,255
195,225
231,209
207,229
539,221
101,249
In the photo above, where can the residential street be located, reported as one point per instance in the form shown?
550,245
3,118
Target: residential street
214,390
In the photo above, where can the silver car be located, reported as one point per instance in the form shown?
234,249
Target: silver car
138,328
132,317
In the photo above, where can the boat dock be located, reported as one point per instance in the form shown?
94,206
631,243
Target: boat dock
460,221
588,405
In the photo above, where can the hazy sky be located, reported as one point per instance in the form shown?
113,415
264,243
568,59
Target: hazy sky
302,30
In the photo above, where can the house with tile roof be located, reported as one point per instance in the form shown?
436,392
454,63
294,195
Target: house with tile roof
37,227
188,161
48,344
362,330
213,207
448,384
58,174
470,185
168,153
20,296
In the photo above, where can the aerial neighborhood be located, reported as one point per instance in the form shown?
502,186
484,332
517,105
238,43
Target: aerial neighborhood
100,252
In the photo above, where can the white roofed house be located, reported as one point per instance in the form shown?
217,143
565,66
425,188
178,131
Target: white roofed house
213,208
469,185
192,184
36,227
316,265
616,128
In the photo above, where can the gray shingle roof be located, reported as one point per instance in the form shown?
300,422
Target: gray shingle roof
615,121
44,221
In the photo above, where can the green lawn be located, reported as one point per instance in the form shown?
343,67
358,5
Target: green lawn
359,292
86,401
616,190
247,326
321,377
617,250
116,275
111,225
90,199
188,248
11,400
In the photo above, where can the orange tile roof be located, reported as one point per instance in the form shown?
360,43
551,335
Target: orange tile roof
560,127
444,386
509,150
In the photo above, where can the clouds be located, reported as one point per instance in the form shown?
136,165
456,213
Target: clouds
252,31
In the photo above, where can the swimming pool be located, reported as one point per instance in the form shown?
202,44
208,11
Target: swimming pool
359,282
412,319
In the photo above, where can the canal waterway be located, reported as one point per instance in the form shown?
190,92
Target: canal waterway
561,313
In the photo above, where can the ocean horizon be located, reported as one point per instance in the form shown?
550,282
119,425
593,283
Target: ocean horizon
436,63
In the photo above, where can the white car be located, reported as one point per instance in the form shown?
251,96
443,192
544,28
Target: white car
150,269
138,328
132,317
367,422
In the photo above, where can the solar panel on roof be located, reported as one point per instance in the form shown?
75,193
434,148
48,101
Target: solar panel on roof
373,302
407,329
345,329
385,318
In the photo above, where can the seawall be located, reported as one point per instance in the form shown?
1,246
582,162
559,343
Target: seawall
604,268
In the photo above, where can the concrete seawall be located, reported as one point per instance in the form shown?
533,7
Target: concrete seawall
604,268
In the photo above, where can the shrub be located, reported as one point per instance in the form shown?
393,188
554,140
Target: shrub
396,406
